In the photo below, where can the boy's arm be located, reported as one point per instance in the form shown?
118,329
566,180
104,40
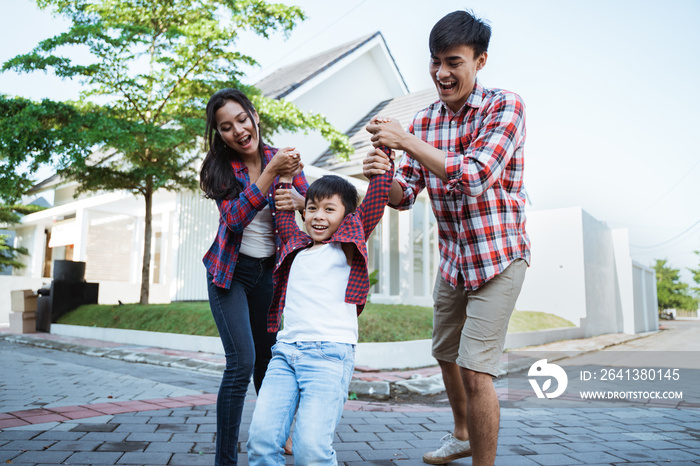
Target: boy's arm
285,220
371,209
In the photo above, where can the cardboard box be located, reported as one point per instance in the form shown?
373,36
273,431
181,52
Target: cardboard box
23,322
23,301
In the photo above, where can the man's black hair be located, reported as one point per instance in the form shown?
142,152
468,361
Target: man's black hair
329,185
460,27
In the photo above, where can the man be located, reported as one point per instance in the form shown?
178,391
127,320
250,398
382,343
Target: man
467,150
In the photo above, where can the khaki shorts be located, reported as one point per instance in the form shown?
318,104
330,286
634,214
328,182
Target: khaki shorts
469,327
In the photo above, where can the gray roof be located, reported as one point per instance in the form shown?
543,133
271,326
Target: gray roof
402,108
288,78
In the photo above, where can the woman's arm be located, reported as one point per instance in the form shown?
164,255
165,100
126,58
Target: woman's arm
237,213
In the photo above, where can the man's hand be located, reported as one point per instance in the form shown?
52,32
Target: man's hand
288,199
376,163
387,132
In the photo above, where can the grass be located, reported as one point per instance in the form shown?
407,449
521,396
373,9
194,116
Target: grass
378,322
190,317
529,321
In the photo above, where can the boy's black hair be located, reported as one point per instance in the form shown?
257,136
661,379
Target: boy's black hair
329,185
460,27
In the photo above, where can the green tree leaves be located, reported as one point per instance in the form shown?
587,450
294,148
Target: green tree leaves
153,66
671,292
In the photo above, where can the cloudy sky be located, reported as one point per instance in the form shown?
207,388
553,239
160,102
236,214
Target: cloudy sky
611,88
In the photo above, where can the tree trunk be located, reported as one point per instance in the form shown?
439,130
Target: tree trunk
147,234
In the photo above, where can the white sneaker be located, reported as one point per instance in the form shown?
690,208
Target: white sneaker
450,450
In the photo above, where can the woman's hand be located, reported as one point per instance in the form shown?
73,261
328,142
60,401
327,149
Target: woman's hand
289,199
286,164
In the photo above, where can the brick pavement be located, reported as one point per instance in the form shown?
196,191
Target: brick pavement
127,413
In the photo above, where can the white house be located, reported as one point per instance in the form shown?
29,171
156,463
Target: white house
581,270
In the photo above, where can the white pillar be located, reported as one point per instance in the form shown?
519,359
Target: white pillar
81,227
405,255
625,277
38,251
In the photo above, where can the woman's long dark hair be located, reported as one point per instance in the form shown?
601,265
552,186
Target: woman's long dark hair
216,177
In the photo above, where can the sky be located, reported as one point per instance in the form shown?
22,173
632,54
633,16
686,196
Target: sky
610,86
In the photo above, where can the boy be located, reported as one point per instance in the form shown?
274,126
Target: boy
321,284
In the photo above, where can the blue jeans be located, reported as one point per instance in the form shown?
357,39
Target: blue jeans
310,379
241,317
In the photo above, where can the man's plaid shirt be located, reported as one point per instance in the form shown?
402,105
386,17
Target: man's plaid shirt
355,228
481,210
235,215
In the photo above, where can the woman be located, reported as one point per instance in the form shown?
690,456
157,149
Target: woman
239,172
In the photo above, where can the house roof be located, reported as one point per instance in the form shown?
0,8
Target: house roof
402,108
285,80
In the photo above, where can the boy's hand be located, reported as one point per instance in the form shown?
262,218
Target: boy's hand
376,163
288,199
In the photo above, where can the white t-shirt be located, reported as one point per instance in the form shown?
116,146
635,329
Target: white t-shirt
315,307
259,236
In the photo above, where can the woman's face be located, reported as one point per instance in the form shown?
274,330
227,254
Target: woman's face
237,130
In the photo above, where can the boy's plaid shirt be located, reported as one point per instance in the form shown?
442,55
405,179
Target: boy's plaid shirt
355,228
235,215
481,210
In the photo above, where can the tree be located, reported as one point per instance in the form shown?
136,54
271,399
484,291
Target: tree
156,62
9,215
31,135
671,292
696,276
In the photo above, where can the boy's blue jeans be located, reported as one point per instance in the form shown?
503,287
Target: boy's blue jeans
310,379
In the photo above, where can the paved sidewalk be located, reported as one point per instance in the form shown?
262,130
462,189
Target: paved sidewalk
59,404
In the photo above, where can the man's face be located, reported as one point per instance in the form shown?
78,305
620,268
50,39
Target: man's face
322,217
454,74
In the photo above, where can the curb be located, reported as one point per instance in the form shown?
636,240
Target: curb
179,362
377,389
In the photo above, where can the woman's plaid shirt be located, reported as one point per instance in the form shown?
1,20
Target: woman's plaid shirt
235,215
480,212
355,228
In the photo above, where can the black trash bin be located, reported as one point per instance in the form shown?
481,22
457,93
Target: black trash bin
43,310
67,291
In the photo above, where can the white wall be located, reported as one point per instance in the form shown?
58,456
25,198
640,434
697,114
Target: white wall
582,271
646,316
128,292
603,304
194,230
555,282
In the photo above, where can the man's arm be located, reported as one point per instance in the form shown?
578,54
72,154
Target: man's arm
392,135
478,168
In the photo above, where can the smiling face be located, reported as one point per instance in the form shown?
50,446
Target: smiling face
322,217
454,74
237,129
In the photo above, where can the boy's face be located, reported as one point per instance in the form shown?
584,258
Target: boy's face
454,74
322,217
